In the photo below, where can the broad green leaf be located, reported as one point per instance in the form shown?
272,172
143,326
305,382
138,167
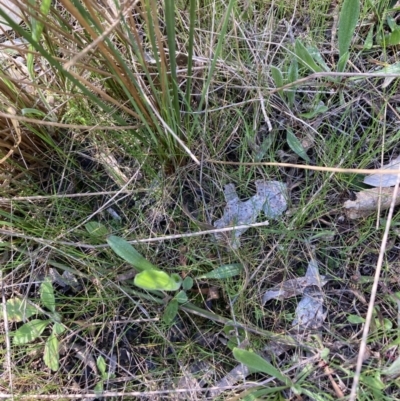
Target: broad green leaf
19,310
306,58
277,77
181,297
47,295
355,319
96,229
393,38
267,142
56,317
293,72
369,40
293,75
258,364
170,312
187,283
29,331
99,388
316,55
295,145
127,252
102,366
324,354
51,355
391,23
224,271
348,18
157,280
58,329
342,61
386,324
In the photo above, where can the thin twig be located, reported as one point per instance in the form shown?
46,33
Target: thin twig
313,168
139,241
364,339
80,195
73,126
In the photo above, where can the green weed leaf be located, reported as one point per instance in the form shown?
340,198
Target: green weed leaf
19,310
47,295
277,77
127,252
258,364
355,319
58,329
296,146
293,75
99,388
102,366
181,297
348,18
170,312
342,61
316,55
157,280
187,283
96,229
51,355
306,58
224,271
369,39
393,38
30,331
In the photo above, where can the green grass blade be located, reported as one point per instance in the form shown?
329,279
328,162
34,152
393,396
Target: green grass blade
127,252
217,52
224,271
192,21
258,364
348,19
170,22
306,58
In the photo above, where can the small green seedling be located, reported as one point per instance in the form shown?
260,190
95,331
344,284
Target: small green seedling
20,310
102,367
151,278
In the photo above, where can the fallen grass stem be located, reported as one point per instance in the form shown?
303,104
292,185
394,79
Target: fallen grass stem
139,241
307,167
